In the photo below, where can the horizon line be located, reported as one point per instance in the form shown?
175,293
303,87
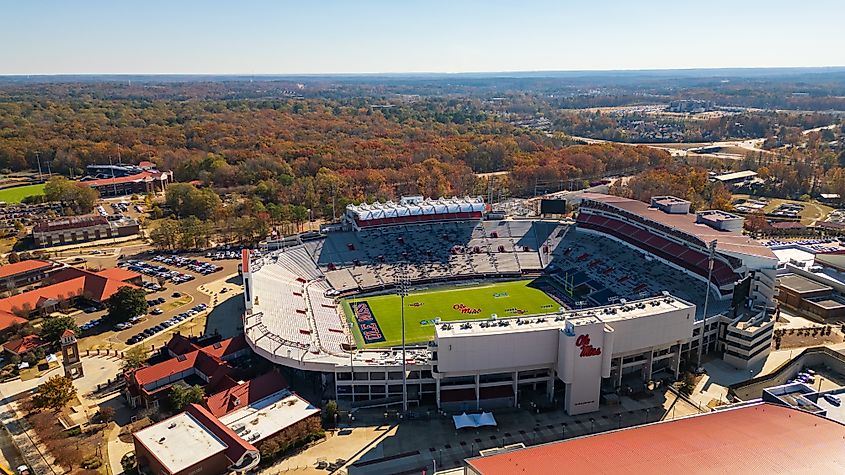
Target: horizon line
430,73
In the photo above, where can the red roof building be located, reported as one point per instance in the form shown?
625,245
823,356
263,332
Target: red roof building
23,273
226,439
147,181
207,366
70,283
23,345
758,439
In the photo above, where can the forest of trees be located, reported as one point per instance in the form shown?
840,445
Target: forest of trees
270,156
285,157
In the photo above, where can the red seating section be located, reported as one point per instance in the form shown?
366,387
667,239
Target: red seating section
690,259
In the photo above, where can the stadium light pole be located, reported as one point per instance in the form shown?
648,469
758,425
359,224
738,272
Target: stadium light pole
403,292
710,257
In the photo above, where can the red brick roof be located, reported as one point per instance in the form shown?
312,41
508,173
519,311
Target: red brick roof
788,225
759,439
143,176
22,267
118,273
22,345
98,286
7,319
244,394
70,283
208,361
226,347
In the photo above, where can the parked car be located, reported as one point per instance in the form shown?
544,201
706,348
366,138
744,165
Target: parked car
833,399
157,311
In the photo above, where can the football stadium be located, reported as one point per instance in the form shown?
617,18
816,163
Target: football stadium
425,308
502,311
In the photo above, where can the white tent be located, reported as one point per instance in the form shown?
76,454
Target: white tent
463,421
474,420
485,419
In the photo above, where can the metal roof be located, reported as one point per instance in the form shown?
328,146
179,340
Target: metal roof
757,439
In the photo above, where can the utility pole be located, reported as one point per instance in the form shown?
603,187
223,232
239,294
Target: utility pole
403,292
38,158
710,257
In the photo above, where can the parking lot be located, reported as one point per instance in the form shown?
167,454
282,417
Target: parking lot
181,299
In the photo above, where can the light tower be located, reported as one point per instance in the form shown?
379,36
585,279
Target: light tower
712,247
403,292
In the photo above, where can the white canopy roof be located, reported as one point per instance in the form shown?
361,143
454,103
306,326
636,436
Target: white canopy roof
474,420
366,212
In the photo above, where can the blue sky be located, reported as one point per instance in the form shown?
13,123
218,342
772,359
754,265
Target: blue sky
310,36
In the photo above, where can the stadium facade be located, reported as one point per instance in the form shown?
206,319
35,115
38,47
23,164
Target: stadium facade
613,327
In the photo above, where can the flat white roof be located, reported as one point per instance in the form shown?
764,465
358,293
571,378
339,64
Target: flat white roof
180,442
268,416
794,254
736,175
606,314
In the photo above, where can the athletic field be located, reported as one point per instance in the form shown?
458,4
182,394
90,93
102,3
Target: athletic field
17,193
475,302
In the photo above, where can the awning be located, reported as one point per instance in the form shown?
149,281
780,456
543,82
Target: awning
463,421
486,419
474,420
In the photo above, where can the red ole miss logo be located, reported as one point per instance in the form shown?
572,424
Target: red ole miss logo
583,342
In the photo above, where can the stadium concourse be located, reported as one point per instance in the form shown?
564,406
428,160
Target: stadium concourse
625,280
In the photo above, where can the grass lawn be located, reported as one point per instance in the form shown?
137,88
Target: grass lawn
17,193
504,299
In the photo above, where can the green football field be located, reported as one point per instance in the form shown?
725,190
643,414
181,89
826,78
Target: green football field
17,193
477,302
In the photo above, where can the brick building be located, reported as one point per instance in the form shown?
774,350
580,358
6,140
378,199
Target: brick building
76,229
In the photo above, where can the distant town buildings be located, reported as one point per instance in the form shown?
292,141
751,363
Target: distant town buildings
690,106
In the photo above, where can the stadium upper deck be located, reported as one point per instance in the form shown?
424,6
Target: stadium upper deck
681,239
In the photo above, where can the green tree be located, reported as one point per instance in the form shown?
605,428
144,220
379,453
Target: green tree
53,327
187,200
79,197
166,235
126,303
134,358
300,215
54,394
182,395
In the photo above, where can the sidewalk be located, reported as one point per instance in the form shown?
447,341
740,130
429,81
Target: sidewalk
117,449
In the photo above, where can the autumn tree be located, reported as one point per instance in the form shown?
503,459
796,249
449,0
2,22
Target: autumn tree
54,394
134,358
